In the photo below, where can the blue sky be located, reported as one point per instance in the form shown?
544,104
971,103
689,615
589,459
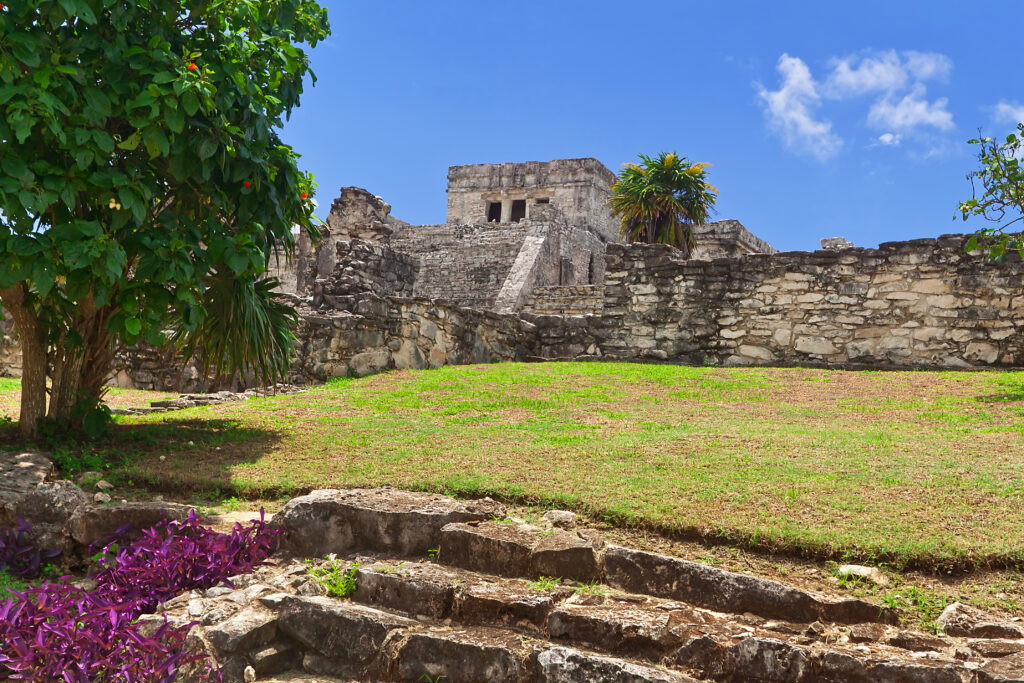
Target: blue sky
820,119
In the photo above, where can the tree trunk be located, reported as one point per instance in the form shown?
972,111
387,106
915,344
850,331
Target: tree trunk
80,369
33,357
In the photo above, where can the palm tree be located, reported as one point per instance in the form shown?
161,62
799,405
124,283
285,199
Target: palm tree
661,199
246,329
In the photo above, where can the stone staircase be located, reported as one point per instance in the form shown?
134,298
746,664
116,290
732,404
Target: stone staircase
455,592
566,300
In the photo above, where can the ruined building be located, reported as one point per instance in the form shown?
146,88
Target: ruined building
527,267
518,237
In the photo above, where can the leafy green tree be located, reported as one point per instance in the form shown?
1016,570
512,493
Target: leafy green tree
998,195
661,199
141,160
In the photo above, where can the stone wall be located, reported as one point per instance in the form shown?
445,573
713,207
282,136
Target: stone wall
10,350
923,303
366,333
566,300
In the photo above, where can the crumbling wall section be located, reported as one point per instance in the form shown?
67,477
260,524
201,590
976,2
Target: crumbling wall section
368,267
365,333
355,214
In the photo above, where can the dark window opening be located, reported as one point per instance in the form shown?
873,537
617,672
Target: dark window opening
543,201
493,212
590,271
518,210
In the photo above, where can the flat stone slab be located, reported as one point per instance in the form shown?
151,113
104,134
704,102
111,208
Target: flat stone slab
244,631
94,525
567,665
376,520
510,604
345,638
769,659
622,627
411,587
519,550
699,584
1006,670
465,654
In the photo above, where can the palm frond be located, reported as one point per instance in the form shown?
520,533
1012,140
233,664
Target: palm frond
245,329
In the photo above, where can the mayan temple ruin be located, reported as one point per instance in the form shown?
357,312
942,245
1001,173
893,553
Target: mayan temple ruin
528,266
528,237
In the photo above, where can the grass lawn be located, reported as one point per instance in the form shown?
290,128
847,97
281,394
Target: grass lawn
918,469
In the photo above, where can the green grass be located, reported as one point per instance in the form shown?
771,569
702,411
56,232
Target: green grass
917,469
8,582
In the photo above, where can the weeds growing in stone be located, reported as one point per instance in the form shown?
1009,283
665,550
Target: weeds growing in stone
546,583
335,579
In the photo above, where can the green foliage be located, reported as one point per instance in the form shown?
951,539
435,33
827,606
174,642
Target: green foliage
1001,198
661,198
546,583
141,156
246,329
333,576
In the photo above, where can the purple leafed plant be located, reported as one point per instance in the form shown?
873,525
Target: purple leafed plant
18,554
56,632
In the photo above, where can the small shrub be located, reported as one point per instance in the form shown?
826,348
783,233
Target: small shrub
56,632
334,578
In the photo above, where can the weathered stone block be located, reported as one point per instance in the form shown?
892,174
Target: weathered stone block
343,521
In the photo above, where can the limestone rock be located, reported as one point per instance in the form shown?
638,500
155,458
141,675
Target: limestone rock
519,550
474,654
97,524
707,586
562,519
959,619
566,665
872,574
918,642
416,589
1006,670
620,627
20,474
338,629
495,603
246,630
52,502
403,522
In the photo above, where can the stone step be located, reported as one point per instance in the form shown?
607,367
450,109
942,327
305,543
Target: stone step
480,613
522,550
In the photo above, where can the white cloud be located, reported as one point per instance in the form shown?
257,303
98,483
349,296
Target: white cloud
1009,113
889,139
911,112
883,72
790,111
927,66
